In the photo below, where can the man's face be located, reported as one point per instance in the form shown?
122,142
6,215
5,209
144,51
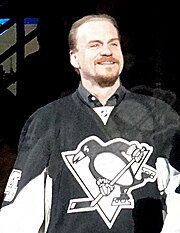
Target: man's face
99,54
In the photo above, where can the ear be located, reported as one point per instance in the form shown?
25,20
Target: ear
74,60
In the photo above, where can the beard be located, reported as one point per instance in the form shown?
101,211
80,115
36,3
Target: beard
106,76
106,80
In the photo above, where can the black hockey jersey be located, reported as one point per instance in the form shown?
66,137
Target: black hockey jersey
75,173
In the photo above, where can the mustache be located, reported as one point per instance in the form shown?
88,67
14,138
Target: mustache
106,59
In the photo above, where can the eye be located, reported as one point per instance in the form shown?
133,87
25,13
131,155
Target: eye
94,45
86,148
115,44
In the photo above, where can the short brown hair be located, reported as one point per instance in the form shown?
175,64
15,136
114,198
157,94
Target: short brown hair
94,17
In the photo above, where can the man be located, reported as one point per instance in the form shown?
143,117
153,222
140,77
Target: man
97,160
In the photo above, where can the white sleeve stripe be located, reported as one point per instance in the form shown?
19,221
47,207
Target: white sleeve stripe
26,213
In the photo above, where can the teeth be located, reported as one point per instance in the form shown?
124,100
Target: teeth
107,62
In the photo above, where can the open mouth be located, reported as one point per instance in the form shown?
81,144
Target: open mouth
106,63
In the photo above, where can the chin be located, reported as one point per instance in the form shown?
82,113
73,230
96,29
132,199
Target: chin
107,82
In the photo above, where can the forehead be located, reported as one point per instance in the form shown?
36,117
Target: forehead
97,30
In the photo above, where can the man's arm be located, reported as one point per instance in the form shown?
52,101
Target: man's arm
169,183
26,212
23,205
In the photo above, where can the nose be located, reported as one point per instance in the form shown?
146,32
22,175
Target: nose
106,51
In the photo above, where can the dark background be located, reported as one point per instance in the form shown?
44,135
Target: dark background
150,43
149,32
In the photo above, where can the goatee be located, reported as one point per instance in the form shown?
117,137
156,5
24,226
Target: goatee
106,81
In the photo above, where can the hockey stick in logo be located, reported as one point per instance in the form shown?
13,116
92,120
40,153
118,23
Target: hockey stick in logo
118,176
138,156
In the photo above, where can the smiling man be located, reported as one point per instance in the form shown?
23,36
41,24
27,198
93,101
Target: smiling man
97,55
100,159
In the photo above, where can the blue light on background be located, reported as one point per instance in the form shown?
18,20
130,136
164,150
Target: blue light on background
31,20
26,20
2,21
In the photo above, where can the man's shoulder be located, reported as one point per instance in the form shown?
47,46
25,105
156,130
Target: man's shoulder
155,95
157,105
55,105
52,110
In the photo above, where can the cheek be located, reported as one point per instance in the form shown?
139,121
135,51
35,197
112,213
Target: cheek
87,61
119,56
89,65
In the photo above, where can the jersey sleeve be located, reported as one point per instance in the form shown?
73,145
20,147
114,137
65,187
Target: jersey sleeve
23,205
168,168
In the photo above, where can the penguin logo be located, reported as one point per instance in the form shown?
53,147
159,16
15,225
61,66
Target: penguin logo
108,172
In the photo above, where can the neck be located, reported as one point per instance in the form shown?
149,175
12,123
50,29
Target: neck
101,93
